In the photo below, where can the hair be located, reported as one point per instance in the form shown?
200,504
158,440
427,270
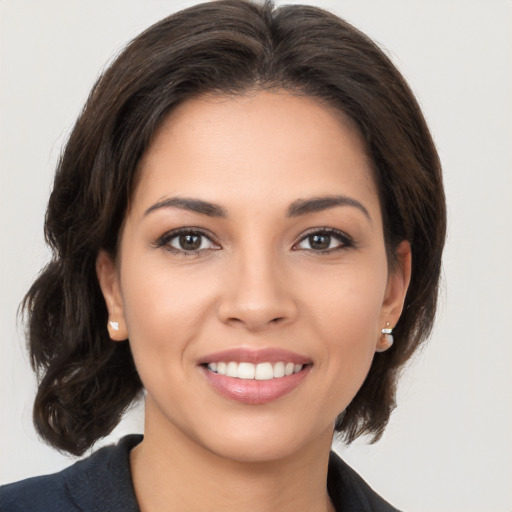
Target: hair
227,47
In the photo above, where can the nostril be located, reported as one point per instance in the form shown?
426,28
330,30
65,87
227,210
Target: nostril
256,312
255,323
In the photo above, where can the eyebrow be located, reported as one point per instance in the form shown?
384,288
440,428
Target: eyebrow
296,209
317,204
193,205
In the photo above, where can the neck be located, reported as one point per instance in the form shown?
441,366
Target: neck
170,471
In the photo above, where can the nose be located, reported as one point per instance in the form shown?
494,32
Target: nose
257,295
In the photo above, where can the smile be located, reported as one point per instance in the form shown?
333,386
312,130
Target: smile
251,371
255,377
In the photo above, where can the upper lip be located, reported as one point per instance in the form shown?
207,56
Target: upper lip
255,356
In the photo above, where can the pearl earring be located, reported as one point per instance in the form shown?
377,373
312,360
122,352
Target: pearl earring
114,325
387,338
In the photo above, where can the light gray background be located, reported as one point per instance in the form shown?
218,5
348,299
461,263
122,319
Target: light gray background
448,446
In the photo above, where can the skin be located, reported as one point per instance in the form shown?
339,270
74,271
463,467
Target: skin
259,283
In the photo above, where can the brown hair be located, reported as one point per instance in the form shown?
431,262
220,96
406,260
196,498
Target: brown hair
228,47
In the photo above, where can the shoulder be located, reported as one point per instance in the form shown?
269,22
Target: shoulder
34,494
349,492
101,480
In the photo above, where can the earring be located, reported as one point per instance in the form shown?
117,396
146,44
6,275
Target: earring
114,325
387,338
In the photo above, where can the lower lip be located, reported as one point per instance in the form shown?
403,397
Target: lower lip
254,392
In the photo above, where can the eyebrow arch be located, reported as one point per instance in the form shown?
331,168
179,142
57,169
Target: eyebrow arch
193,205
316,204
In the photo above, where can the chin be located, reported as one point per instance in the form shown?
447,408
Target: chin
264,441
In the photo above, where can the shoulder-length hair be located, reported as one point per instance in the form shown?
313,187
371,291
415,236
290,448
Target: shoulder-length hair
86,381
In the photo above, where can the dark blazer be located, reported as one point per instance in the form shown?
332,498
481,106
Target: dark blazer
102,483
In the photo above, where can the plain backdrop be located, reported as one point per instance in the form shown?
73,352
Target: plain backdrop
448,446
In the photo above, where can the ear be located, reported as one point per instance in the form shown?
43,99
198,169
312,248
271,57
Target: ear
396,290
108,279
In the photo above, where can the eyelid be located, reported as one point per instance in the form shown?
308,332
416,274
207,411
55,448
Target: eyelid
163,240
347,242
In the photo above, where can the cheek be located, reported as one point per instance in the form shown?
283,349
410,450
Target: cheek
161,310
346,310
347,301
348,351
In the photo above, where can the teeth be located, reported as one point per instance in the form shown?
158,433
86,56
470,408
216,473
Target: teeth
232,369
246,371
249,371
264,371
279,370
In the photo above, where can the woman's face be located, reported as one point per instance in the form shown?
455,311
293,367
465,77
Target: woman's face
253,243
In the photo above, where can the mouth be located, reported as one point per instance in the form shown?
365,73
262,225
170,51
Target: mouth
255,377
251,371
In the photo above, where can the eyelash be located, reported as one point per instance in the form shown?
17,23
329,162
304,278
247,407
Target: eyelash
346,242
165,241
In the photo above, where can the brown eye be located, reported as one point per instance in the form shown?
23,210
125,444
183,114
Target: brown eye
319,242
189,242
326,240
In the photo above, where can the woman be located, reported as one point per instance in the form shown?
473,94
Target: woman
247,223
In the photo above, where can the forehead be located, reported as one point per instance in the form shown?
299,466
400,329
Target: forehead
273,145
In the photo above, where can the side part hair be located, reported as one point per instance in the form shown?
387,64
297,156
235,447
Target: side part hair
227,47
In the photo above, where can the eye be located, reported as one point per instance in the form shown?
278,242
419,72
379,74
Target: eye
186,241
324,241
